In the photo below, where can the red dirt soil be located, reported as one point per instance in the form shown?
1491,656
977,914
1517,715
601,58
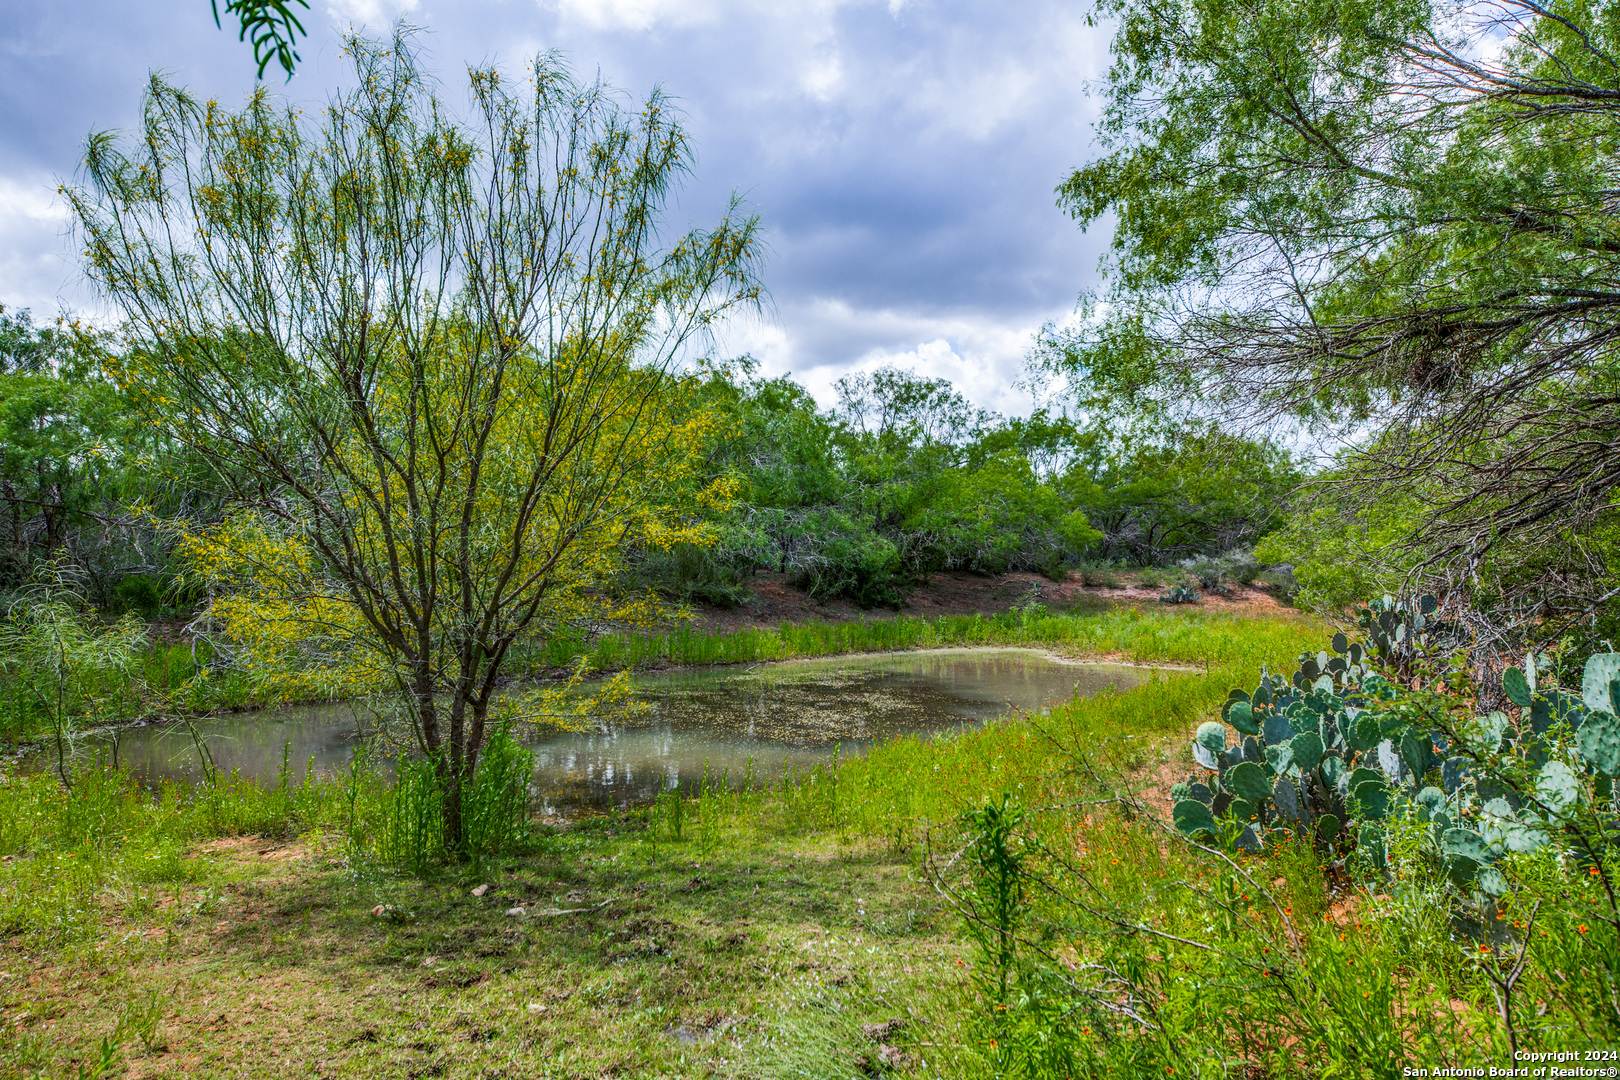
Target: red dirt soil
955,592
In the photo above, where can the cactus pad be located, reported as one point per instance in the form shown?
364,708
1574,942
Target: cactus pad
1285,796
1192,817
1248,781
1557,786
1465,843
1598,685
1517,687
1307,749
1598,742
1366,731
1417,751
1373,795
1276,727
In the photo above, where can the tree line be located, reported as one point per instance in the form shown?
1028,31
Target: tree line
900,477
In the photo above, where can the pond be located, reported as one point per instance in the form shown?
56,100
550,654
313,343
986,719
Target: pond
776,716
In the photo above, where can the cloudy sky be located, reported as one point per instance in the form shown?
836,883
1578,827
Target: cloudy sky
902,153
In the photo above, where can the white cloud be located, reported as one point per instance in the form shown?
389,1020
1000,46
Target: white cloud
766,340
36,264
820,342
371,13
637,14
902,154
822,74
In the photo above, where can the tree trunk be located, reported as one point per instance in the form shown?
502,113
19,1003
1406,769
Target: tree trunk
455,828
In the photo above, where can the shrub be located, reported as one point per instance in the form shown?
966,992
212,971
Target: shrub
1055,566
1241,566
688,572
1099,575
1157,577
852,563
1280,579
140,594
1381,756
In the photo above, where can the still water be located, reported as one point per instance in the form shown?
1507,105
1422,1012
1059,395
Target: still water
779,716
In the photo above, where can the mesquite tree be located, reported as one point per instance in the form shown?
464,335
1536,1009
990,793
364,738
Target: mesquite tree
435,356
1395,221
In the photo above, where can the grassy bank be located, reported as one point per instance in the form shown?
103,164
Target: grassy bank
1153,635
176,679
745,933
797,928
166,678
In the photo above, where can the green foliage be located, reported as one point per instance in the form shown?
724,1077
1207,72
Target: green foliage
1188,491
851,561
1371,218
271,26
904,478
1341,554
142,1016
1219,574
902,786
1134,958
542,425
1247,958
1148,636
1099,574
687,572
407,817
73,455
109,840
1376,754
1323,743
64,659
1154,577
140,594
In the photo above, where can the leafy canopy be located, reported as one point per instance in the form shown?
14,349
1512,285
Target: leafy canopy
1392,221
434,361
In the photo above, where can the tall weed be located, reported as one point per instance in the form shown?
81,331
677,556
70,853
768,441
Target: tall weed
403,826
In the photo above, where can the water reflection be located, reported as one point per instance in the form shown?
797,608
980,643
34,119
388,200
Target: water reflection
767,718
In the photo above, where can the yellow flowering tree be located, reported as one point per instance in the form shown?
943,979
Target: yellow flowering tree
435,360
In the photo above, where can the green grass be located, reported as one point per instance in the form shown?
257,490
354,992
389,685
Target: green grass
774,918
1146,636
722,953
752,930
908,784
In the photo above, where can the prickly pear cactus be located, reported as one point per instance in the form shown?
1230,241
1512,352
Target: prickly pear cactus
1209,744
1598,743
1248,781
1193,817
1600,683
1299,738
1322,754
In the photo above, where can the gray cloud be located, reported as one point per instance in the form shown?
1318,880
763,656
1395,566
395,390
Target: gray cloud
902,155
